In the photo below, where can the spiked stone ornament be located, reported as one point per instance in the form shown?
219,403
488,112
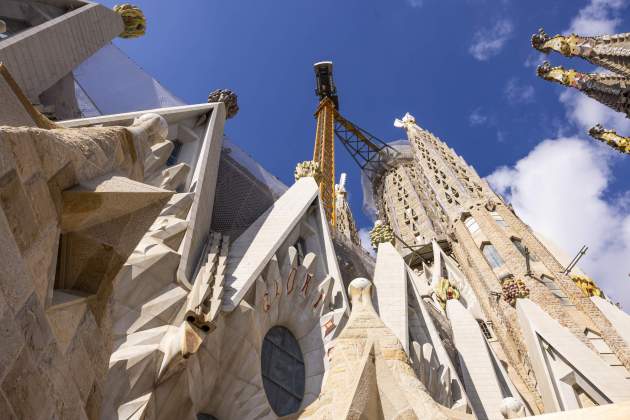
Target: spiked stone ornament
228,97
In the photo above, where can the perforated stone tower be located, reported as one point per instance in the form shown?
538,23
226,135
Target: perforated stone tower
471,248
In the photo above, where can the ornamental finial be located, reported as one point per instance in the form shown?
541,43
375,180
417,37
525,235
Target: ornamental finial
134,20
610,137
308,168
587,285
513,289
445,290
539,39
407,121
229,99
563,76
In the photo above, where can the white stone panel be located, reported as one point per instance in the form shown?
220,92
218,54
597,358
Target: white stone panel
390,280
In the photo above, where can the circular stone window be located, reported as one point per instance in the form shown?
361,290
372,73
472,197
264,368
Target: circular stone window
282,371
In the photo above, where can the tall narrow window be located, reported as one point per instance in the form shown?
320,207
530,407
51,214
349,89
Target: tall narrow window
491,255
485,329
519,245
498,219
472,225
551,285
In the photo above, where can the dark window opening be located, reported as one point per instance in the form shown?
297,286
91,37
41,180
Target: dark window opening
282,371
491,255
485,329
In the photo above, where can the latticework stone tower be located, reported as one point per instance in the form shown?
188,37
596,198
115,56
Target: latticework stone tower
431,194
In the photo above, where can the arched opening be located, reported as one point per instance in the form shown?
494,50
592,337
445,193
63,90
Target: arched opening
282,371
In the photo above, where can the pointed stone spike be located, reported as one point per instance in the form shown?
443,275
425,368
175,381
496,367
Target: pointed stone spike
273,279
105,199
363,396
172,177
178,206
158,157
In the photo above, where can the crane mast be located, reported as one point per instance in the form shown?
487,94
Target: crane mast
369,152
324,151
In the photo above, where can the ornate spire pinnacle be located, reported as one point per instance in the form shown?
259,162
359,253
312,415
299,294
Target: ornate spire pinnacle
134,20
406,122
610,137
610,90
609,51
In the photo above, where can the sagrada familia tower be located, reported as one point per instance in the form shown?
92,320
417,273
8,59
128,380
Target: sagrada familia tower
151,269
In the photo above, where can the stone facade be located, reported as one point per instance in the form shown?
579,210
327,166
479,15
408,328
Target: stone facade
152,272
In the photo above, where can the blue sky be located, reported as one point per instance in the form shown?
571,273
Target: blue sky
464,68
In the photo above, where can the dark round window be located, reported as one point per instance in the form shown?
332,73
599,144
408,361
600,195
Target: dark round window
282,371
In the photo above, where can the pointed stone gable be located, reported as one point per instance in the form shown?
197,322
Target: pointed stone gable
251,251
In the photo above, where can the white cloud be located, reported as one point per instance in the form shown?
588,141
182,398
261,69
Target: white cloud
534,59
477,117
517,93
364,237
500,136
571,207
488,42
598,17
415,3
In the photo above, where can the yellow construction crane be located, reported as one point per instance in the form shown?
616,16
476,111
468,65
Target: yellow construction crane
324,151
367,151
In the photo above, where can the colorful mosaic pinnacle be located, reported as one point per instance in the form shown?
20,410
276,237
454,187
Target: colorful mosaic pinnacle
134,19
610,137
611,52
